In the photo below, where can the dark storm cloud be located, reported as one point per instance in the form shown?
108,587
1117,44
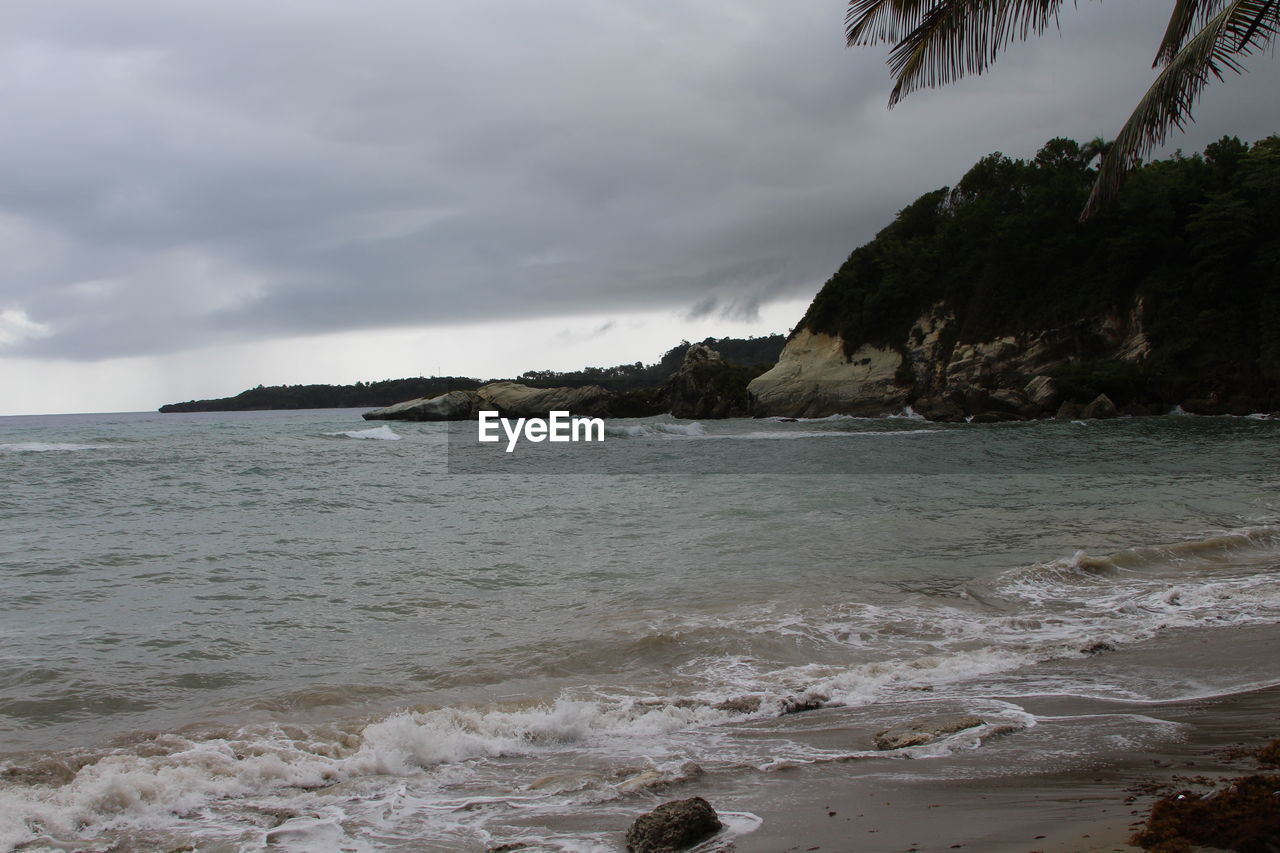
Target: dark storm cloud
184,174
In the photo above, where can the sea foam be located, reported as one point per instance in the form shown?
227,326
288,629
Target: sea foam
380,433
655,430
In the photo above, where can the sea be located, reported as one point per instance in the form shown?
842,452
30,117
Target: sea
299,630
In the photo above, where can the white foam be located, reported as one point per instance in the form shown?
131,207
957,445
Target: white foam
627,431
827,419
863,685
953,646
307,834
45,447
190,780
381,433
698,431
788,434
693,429
655,430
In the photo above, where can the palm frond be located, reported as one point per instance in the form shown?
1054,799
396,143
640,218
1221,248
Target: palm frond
1265,17
877,21
1236,31
1188,15
959,37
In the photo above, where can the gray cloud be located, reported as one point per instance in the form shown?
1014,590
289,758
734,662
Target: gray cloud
185,174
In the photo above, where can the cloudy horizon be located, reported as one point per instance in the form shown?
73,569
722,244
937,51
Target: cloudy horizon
203,197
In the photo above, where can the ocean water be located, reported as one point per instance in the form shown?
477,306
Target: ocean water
298,631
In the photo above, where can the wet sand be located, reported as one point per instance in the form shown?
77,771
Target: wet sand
1082,804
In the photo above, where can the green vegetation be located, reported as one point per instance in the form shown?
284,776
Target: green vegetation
627,377
1193,237
637,380
371,394
730,382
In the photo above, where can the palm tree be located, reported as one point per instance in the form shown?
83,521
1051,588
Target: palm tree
936,42
1094,149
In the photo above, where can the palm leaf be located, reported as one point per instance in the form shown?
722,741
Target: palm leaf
1187,16
959,37
1236,31
876,21
1265,17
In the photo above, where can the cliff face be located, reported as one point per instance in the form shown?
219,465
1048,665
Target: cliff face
1004,378
992,300
813,379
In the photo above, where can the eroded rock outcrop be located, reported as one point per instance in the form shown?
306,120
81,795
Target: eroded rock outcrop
514,400
706,386
813,378
1011,377
450,406
511,399
1100,407
674,826
919,732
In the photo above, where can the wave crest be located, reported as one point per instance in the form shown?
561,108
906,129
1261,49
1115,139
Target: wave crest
380,433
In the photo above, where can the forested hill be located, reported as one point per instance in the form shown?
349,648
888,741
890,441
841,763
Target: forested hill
327,396
747,352
624,377
1192,242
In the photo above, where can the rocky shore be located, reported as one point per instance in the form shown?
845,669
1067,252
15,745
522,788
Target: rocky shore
1071,371
1068,372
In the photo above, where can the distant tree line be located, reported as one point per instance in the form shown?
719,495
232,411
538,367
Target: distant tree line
371,394
623,377
748,352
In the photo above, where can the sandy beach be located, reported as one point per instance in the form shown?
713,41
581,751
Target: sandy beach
1089,803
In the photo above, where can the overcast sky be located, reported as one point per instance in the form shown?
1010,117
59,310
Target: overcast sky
198,197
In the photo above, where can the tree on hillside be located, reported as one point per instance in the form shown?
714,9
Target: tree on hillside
936,42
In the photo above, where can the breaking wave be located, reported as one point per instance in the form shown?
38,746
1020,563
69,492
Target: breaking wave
789,434
1221,549
660,430
381,433
697,430
451,774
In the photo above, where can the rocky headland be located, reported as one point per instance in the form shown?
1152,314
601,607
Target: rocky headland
705,386
990,301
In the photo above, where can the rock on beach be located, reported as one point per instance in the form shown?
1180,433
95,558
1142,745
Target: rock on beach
673,826
920,732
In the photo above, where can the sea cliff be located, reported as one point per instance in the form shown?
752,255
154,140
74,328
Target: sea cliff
992,301
1010,377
